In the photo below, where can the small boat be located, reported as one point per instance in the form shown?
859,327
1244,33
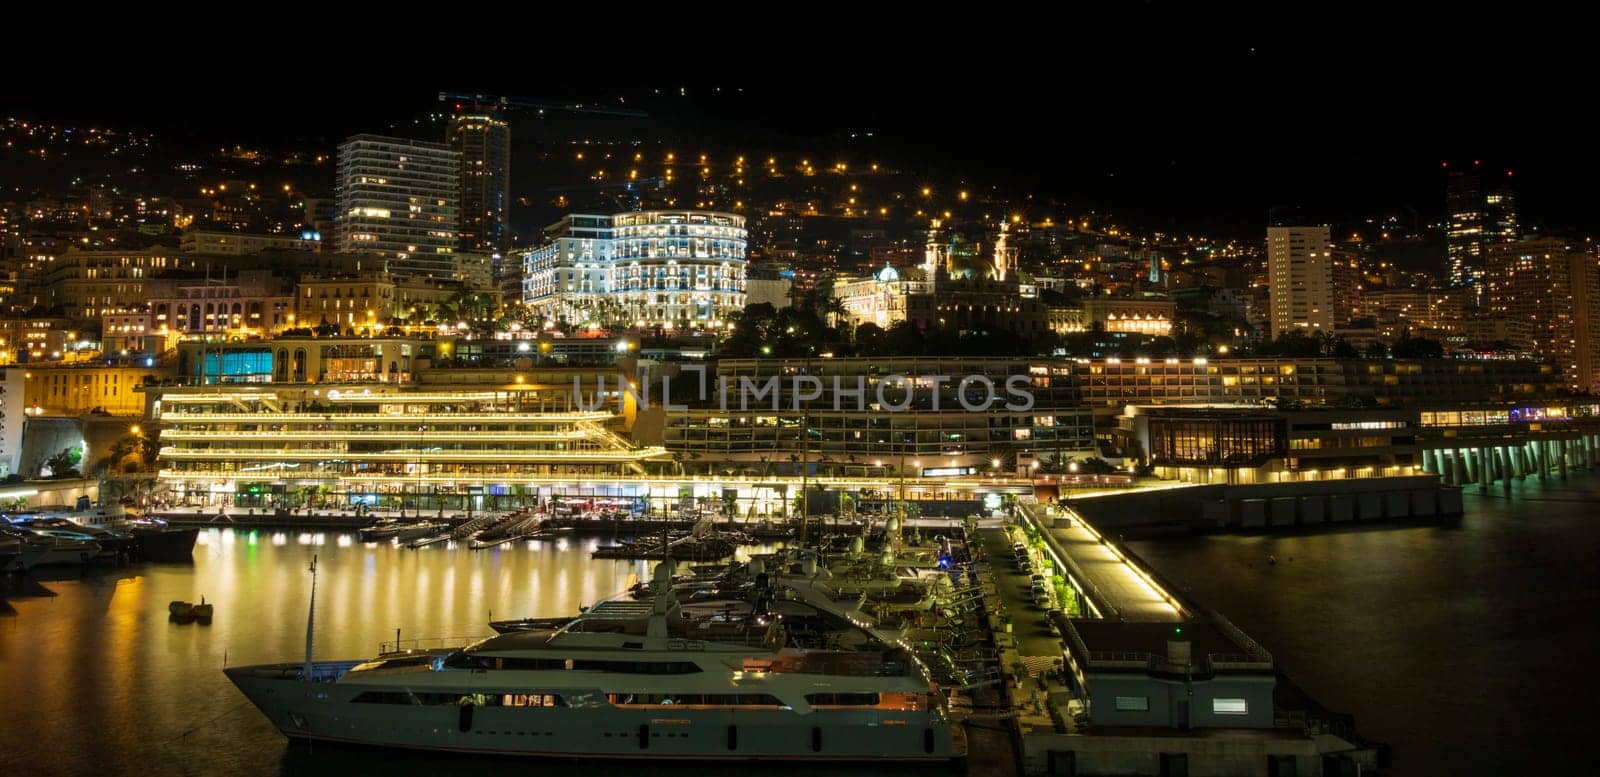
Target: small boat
426,529
384,529
187,612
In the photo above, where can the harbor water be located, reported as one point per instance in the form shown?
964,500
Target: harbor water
1469,646
1466,646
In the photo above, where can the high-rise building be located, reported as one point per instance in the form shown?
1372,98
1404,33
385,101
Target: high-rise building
1549,296
1300,279
1348,281
667,269
484,143
400,199
1480,213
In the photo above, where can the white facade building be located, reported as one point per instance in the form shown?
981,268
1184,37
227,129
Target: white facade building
667,269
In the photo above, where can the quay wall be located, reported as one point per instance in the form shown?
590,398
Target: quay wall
1262,506
1321,755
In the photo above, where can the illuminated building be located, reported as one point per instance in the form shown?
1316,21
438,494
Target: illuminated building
388,446
1250,444
1116,382
1549,297
13,414
969,303
35,338
302,359
881,298
1421,312
358,300
242,303
399,199
667,269
484,146
1134,316
1478,216
89,284
199,241
125,331
833,433
75,389
1300,277
1345,277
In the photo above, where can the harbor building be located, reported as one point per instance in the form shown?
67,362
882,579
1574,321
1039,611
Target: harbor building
883,416
1115,382
1188,675
388,446
1252,444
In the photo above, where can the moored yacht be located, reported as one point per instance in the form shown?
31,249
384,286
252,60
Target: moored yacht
39,550
770,678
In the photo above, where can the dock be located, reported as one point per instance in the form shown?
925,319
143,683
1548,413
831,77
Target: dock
687,547
1118,674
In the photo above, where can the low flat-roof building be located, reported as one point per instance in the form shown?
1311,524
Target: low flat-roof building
882,415
1196,674
1244,444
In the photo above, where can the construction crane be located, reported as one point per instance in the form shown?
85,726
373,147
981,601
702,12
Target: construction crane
540,106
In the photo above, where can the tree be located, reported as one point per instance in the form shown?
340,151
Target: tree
1408,347
64,465
1376,350
903,339
870,340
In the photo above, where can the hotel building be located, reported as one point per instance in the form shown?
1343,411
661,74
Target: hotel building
666,269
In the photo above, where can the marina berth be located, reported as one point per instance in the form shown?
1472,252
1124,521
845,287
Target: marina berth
775,675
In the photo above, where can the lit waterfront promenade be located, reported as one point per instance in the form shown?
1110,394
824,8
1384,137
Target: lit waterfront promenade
1115,586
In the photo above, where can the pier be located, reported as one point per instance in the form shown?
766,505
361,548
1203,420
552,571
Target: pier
1120,675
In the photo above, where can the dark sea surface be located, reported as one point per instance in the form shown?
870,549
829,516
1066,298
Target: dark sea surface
1470,647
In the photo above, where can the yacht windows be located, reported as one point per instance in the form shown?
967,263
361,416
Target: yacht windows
531,700
459,698
842,699
1230,707
637,667
475,661
697,699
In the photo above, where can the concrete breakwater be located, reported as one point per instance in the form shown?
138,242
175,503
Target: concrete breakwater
1223,507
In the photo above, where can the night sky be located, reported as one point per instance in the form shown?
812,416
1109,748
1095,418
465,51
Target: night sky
1168,129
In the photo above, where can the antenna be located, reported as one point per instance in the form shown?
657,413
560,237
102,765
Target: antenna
311,618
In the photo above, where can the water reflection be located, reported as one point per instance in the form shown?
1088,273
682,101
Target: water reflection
94,658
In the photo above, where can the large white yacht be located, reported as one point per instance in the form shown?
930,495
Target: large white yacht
773,677
37,549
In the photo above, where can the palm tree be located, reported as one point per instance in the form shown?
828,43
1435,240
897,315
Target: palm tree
833,308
